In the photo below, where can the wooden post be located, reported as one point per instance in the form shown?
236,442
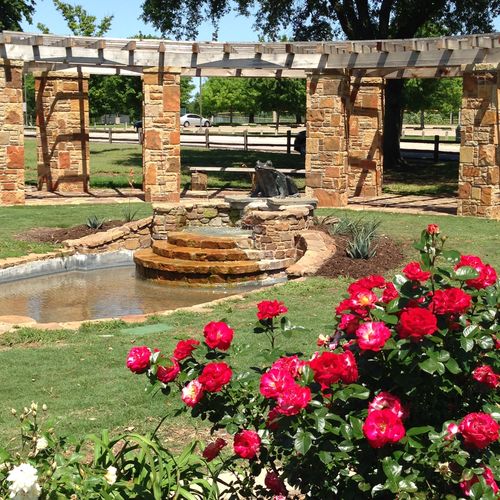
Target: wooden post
245,140
110,135
436,148
207,138
288,142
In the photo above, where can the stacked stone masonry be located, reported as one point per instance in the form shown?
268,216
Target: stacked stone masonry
365,136
11,133
326,147
161,144
479,174
62,122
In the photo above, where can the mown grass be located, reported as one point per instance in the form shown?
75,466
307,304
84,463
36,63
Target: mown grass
15,220
115,165
82,378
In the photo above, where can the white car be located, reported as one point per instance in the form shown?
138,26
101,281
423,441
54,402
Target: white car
191,119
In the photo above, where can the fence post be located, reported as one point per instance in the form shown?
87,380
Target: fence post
207,138
110,135
245,140
436,148
288,141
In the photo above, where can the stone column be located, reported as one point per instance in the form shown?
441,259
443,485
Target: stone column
11,133
365,136
161,159
62,131
478,182
326,147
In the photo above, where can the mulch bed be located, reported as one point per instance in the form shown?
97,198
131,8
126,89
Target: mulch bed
389,255
58,234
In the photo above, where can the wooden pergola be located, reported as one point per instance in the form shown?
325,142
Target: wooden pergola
345,81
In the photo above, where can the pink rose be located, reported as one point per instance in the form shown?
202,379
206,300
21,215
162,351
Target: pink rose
292,364
416,322
274,382
293,400
246,444
213,449
167,374
485,375
414,272
383,427
268,309
138,359
215,376
488,477
487,274
275,485
432,229
386,400
478,430
349,323
185,348
192,393
372,335
218,335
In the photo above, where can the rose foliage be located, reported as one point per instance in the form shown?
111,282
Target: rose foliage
399,402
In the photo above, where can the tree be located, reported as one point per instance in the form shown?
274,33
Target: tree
12,12
328,19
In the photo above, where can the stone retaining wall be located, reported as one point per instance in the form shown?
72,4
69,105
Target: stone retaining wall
131,236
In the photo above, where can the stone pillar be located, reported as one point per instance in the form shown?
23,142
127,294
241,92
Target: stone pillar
62,131
478,182
161,159
11,133
365,136
326,147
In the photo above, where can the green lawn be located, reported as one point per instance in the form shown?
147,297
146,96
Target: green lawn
81,375
111,164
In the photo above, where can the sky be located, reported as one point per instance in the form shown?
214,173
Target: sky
126,21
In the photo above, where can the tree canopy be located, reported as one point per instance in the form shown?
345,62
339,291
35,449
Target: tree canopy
12,12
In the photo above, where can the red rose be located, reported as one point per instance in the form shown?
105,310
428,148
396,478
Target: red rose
213,449
383,427
274,484
167,374
390,293
416,322
414,272
272,422
364,299
387,400
274,382
478,430
293,400
367,283
246,444
330,367
450,301
372,335
292,364
138,359
349,323
487,274
432,229
268,309
488,477
218,335
486,375
215,376
192,393
185,348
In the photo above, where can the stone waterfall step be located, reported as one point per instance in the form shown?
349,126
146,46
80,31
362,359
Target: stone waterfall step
199,240
171,251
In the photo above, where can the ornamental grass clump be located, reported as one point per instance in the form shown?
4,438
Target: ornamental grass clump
399,401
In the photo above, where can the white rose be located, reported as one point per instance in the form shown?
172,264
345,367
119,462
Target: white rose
110,475
24,483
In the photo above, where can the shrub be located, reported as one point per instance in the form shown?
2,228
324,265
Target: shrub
399,402
94,222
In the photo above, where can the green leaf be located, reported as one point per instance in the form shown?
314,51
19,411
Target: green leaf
391,468
451,256
485,342
469,330
466,344
443,356
465,273
303,441
452,366
415,431
430,365
356,426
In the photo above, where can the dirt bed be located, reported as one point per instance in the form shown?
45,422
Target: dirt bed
389,255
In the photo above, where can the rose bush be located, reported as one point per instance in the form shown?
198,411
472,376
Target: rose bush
399,402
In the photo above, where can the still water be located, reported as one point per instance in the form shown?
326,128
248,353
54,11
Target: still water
104,293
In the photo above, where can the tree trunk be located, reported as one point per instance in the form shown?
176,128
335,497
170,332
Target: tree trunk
251,118
298,118
422,119
392,123
230,116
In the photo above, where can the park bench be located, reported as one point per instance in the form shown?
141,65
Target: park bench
199,176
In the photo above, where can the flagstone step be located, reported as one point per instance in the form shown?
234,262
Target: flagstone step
193,239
